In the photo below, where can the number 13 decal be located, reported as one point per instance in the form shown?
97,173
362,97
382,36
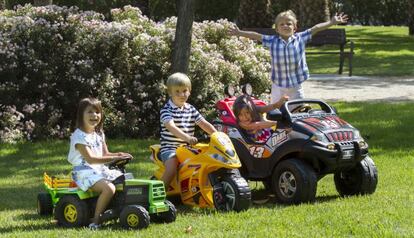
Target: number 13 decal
257,151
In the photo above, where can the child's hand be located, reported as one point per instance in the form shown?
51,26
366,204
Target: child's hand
283,99
192,140
339,18
233,31
124,155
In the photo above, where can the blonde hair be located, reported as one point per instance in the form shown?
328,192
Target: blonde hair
286,14
178,80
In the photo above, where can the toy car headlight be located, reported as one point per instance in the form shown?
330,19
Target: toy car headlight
230,152
362,144
357,135
319,137
218,157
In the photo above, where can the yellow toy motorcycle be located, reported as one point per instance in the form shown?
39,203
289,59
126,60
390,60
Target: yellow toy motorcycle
208,175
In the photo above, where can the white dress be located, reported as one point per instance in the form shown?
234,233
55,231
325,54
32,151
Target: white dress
84,174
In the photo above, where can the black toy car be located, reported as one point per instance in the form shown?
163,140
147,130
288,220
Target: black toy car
310,141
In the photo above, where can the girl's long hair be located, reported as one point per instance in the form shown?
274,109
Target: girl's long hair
83,104
245,101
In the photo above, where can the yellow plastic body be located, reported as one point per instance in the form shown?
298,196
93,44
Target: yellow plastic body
195,164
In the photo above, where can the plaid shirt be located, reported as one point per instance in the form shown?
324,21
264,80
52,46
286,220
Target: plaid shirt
289,68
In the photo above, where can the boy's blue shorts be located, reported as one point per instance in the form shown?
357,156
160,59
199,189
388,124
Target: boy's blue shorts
167,155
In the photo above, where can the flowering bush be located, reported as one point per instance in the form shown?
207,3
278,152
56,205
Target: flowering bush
54,56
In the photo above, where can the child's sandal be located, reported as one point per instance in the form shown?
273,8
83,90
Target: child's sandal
94,226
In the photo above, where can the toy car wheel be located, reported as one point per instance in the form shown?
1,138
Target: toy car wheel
168,216
232,193
44,204
72,212
294,181
134,217
360,180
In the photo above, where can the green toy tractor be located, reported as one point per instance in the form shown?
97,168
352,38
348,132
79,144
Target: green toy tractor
135,203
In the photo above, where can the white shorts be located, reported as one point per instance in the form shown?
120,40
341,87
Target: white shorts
293,93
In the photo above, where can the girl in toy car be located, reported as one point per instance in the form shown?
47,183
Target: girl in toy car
249,117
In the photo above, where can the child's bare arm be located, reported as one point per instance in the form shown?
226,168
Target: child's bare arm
235,31
170,125
336,19
273,106
92,158
206,126
257,125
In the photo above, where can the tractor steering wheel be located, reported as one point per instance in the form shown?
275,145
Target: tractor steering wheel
119,162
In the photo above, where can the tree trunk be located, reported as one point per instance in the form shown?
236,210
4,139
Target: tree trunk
411,17
182,41
254,13
311,12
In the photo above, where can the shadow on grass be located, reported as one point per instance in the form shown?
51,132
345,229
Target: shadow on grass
262,198
24,198
49,224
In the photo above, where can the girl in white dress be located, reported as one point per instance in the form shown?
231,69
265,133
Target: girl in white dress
88,152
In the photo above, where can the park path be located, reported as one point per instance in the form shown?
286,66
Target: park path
357,88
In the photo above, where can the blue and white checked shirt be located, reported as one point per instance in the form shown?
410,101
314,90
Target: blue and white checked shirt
289,67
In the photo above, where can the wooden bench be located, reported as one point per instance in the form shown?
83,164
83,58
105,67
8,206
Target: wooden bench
326,37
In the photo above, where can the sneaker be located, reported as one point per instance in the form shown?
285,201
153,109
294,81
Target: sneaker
94,226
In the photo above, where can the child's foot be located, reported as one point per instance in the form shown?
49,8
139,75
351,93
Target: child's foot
94,226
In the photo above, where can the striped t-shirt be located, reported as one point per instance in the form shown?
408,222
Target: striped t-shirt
185,118
289,67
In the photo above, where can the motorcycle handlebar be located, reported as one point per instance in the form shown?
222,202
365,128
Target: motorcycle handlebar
203,139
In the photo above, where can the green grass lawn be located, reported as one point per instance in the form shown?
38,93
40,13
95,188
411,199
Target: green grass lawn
380,51
387,213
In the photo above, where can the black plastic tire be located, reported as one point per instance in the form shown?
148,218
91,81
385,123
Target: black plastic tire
294,182
166,217
72,212
134,217
360,180
44,204
232,193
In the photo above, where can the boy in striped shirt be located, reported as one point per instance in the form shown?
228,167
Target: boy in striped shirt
178,119
287,51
